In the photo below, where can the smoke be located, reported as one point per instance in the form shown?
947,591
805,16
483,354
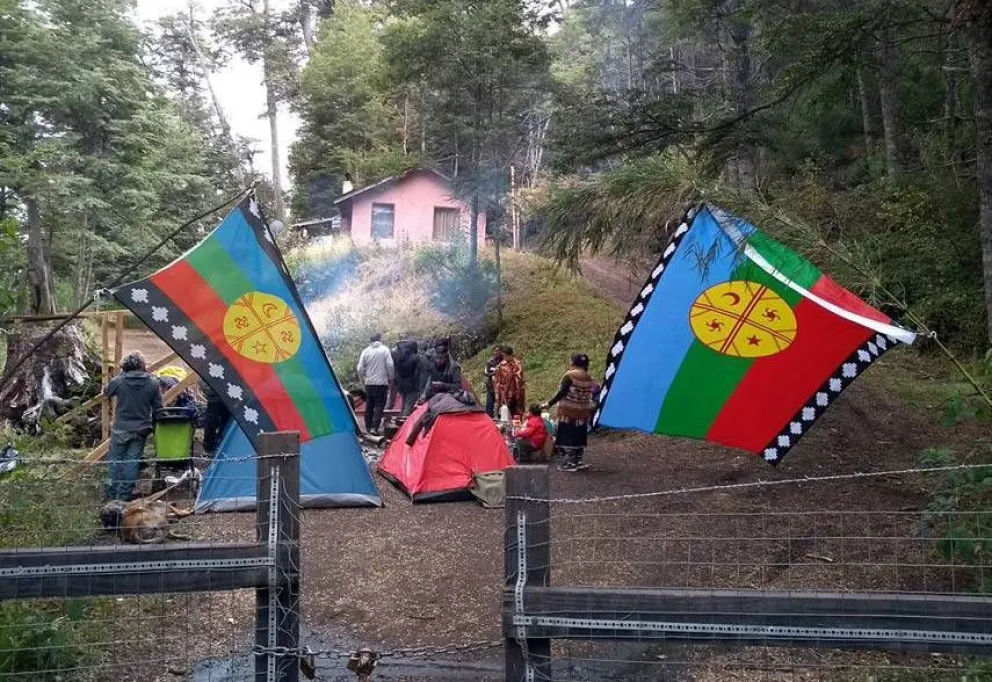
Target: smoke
422,293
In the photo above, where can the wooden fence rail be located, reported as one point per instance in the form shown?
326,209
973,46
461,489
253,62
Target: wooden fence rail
534,613
271,565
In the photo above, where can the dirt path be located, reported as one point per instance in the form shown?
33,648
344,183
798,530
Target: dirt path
149,345
614,280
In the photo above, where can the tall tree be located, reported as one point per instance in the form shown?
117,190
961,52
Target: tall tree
261,36
182,61
354,120
975,16
480,66
95,158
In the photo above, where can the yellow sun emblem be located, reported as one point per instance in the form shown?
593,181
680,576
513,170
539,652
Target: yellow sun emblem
743,319
262,328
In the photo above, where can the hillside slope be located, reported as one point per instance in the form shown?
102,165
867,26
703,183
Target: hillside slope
549,314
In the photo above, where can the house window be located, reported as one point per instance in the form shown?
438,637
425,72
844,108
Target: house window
382,221
447,223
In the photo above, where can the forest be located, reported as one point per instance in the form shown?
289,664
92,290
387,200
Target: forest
858,131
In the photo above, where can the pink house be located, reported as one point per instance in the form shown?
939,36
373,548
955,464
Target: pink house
416,206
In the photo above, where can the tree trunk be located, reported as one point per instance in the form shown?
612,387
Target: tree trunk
978,35
406,124
221,117
39,274
891,129
473,236
742,165
497,238
82,260
272,112
865,110
951,95
515,240
306,25
44,383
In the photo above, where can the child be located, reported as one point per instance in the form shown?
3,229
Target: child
530,439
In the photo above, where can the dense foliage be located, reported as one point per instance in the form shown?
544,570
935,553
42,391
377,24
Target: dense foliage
854,121
99,156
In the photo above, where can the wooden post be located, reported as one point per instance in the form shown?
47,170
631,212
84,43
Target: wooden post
530,481
277,606
118,339
104,375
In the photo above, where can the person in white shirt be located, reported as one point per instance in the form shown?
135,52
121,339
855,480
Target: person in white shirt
375,370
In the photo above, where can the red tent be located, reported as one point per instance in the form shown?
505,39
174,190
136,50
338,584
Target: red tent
438,467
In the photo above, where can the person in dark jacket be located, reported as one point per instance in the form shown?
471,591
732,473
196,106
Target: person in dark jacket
491,365
138,397
408,372
215,419
184,400
443,374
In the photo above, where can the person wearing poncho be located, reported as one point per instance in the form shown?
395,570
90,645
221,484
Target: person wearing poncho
575,407
509,384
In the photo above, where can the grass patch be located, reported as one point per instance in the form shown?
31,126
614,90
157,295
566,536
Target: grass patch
47,639
43,640
548,314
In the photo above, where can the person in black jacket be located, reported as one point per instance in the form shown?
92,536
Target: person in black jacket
443,374
214,419
408,374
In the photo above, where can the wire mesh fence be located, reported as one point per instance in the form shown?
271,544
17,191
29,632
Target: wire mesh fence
898,551
147,590
706,586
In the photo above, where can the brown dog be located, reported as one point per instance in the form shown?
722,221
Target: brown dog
144,521
148,522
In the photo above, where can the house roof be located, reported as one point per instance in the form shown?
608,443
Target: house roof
381,184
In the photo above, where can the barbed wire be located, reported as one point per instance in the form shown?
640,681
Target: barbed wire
51,461
752,484
421,652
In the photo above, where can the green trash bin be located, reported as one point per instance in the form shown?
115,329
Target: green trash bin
173,437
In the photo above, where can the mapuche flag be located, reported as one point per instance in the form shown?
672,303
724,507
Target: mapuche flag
229,308
737,340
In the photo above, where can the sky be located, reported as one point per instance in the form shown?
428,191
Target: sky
239,88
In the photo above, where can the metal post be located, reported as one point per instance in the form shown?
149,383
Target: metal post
528,564
277,616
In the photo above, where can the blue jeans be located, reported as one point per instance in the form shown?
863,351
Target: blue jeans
126,450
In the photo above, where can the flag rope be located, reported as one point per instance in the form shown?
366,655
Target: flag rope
100,292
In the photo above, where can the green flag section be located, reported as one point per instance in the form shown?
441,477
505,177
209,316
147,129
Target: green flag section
229,308
738,340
